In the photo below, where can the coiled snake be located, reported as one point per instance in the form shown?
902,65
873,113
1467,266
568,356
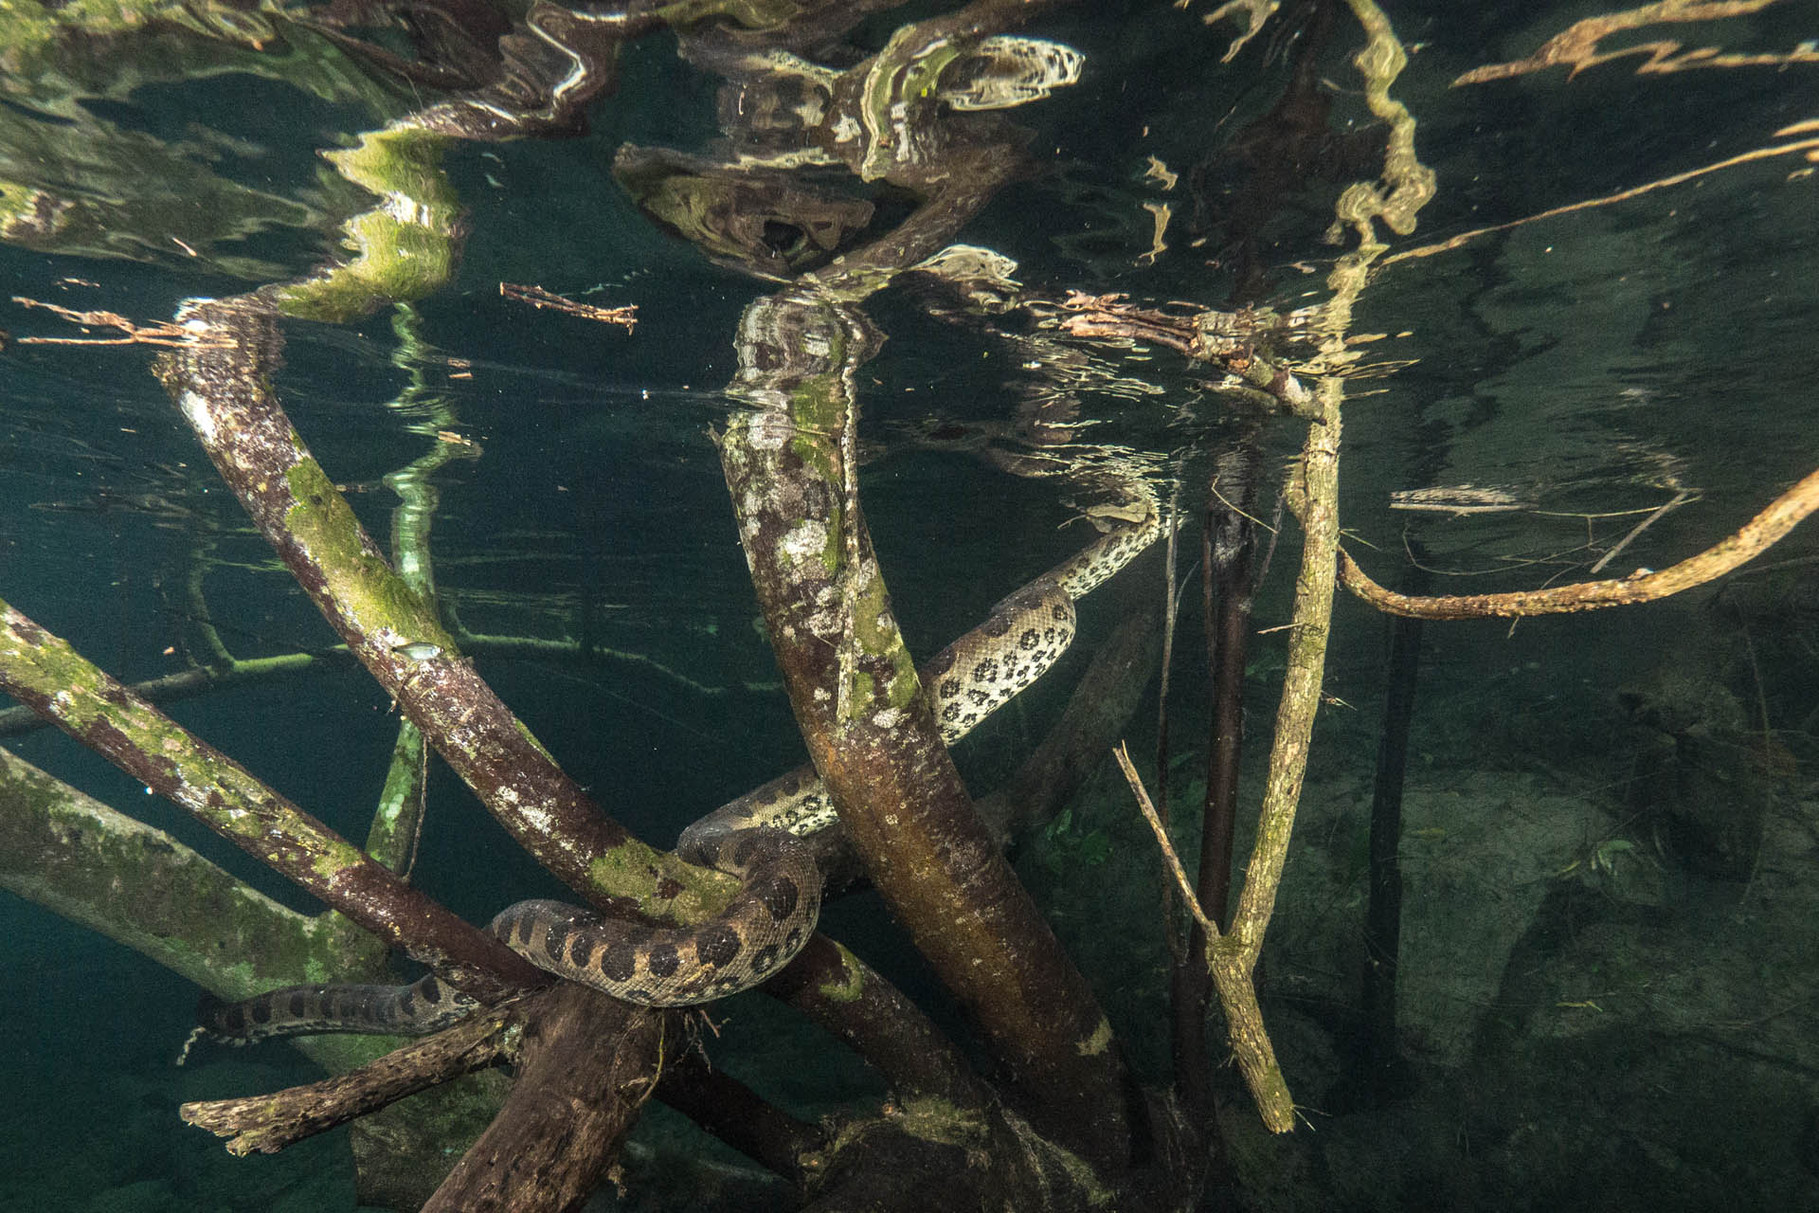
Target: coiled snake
755,838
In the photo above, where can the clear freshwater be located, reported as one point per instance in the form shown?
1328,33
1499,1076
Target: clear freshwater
1596,341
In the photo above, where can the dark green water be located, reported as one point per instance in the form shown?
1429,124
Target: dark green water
1611,846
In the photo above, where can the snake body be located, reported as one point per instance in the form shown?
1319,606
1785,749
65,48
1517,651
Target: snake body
757,838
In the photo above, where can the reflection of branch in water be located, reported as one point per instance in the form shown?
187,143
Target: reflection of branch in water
1226,339
1577,46
1810,147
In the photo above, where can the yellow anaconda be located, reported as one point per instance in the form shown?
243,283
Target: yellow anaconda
756,838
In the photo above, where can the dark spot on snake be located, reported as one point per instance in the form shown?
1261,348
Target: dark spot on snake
950,711
943,662
997,625
555,940
431,988
979,698
778,895
793,940
766,959
299,1003
522,929
950,688
1029,639
747,846
986,670
664,960
618,960
234,1021
262,1011
581,951
717,944
1058,612
407,1003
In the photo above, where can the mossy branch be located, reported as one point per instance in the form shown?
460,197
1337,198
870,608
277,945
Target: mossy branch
43,672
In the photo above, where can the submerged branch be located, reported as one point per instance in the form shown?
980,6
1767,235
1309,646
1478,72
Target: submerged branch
142,888
1644,585
223,388
585,1071
45,673
265,1124
873,736
851,1001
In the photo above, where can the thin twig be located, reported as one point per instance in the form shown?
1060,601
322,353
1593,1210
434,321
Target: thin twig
537,297
1168,848
1168,661
1679,499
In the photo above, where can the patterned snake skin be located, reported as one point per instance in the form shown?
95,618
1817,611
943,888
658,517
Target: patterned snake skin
755,838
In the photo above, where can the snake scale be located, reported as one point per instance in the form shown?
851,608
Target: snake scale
754,838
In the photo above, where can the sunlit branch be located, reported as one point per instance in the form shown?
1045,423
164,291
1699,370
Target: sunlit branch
1644,585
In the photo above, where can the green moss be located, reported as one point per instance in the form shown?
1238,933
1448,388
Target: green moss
388,838
935,1119
876,640
405,247
366,587
635,870
89,863
524,731
1099,1041
851,983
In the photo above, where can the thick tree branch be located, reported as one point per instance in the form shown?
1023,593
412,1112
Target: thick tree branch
45,673
850,1000
587,1065
140,887
791,466
222,385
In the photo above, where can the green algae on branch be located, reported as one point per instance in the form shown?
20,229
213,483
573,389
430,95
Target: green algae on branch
223,386
140,887
46,673
371,597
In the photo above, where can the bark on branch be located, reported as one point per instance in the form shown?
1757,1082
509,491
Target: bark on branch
1644,585
45,673
222,385
587,1065
266,1124
791,467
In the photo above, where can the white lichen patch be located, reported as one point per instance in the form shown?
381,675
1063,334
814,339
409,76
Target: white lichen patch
807,540
770,431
